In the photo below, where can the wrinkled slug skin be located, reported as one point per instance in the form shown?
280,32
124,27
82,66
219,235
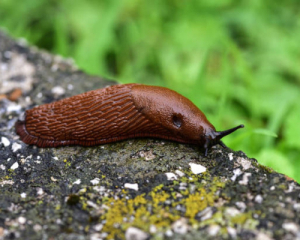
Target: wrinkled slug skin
115,113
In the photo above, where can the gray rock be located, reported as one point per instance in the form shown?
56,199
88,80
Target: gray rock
79,192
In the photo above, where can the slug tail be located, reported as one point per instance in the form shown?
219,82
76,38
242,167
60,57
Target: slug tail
21,129
22,132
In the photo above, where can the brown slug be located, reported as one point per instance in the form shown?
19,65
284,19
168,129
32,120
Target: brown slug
119,112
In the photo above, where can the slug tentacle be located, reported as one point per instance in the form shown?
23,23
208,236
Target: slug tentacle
222,134
116,113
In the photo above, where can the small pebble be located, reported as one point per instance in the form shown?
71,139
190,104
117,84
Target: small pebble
169,233
232,232
258,199
197,168
133,233
171,176
179,173
232,211
180,226
16,146
58,90
245,179
23,195
37,227
5,141
95,181
21,220
213,230
98,227
14,166
236,172
133,186
78,181
291,227
40,191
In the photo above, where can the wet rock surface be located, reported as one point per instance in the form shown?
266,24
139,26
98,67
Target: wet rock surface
134,189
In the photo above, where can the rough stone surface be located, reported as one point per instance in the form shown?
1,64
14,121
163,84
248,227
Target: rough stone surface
79,192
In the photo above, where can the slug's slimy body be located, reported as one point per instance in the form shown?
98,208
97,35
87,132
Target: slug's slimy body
115,113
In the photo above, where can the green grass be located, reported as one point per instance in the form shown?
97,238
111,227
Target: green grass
238,61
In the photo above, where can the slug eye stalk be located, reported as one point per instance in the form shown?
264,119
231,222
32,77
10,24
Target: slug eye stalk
222,134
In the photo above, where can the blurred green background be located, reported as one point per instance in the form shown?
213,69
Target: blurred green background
238,61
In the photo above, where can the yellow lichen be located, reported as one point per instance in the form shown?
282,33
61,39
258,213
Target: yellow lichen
197,202
160,208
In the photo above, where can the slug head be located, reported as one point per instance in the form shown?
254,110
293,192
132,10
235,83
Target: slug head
214,137
181,119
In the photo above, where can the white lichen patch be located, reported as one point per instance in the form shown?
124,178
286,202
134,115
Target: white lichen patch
197,168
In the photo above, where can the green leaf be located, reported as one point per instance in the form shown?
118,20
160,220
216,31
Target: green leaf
265,132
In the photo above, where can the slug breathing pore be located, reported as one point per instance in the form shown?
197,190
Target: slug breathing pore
116,113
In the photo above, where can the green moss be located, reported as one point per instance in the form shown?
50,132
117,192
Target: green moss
73,199
240,219
265,168
282,186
